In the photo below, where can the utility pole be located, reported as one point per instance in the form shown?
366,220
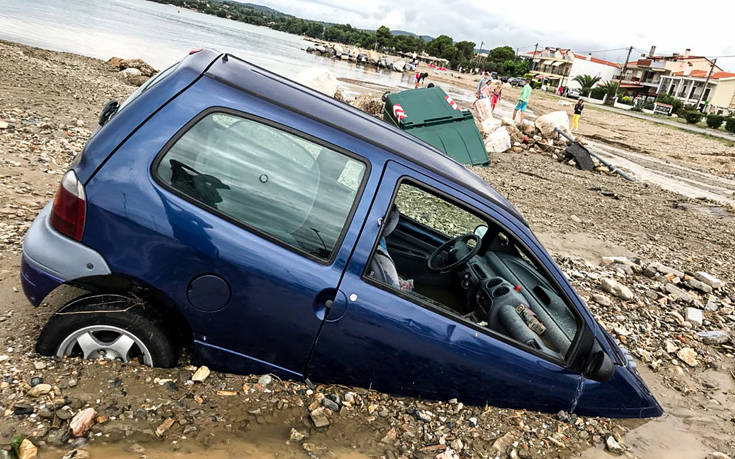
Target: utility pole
625,66
533,63
701,96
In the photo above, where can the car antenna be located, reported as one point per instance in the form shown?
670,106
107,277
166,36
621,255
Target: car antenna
225,58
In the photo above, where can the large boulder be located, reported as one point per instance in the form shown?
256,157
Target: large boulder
132,76
371,105
489,125
140,64
318,79
546,123
398,65
484,109
498,141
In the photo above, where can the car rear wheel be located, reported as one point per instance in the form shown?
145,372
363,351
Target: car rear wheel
112,327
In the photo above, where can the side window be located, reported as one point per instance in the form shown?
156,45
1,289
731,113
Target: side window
289,188
453,259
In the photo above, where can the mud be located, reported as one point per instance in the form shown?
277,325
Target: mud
51,101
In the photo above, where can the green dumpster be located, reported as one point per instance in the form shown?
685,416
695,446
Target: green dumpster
431,115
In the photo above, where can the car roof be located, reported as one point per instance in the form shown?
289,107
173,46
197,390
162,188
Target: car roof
327,110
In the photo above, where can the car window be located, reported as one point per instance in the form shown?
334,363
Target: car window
294,190
496,285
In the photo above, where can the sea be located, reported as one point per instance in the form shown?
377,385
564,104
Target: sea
163,34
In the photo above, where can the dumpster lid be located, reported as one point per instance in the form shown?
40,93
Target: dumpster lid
423,106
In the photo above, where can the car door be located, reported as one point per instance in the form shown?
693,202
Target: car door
263,220
379,339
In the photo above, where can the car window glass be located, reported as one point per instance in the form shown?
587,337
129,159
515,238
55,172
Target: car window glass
498,287
287,187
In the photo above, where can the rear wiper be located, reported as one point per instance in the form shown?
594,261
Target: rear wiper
108,111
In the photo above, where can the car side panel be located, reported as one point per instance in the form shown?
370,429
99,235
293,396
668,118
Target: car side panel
272,318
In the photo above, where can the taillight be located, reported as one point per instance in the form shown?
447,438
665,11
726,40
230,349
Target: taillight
70,207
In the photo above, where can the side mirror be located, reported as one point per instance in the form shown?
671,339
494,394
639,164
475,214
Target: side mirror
599,366
480,230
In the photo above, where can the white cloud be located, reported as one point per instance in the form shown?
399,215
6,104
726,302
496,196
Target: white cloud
671,25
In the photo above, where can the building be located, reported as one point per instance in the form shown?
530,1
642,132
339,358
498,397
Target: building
559,66
682,76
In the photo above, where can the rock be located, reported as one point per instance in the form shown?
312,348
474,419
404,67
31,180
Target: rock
27,450
114,62
678,294
694,316
39,389
64,413
36,381
688,356
296,435
370,105
498,141
600,299
666,270
80,123
200,374
319,418
132,77
613,446
20,409
714,337
697,285
528,128
502,443
164,426
137,64
671,347
709,279
575,219
489,125
484,110
615,288
331,404
546,123
46,412
39,365
711,305
318,79
77,454
265,380
4,125
717,455
82,422
398,65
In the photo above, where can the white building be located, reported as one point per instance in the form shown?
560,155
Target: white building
559,67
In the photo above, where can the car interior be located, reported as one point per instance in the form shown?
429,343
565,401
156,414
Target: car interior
443,256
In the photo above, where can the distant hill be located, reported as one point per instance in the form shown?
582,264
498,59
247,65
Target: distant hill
262,8
426,38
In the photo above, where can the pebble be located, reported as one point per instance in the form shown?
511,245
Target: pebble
27,450
600,299
82,422
614,287
613,446
265,380
714,337
695,316
38,365
39,389
709,279
201,374
688,356
319,418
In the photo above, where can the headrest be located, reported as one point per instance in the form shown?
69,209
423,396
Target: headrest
391,220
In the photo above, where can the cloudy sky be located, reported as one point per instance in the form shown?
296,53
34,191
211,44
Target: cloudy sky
671,25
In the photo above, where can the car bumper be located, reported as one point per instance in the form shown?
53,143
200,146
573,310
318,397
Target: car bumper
50,259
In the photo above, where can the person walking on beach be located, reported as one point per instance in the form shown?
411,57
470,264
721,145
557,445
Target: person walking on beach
496,95
523,101
577,113
478,93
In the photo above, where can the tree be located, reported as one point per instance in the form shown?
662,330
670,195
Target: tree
611,91
586,82
443,47
383,37
465,50
501,54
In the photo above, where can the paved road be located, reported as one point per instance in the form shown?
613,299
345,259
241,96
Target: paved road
686,127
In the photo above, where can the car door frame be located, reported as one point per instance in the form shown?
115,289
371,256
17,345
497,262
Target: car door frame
395,172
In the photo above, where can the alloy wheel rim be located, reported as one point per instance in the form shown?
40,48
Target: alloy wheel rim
105,342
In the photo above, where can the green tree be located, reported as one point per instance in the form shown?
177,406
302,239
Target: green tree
611,90
465,50
383,37
501,54
586,82
443,47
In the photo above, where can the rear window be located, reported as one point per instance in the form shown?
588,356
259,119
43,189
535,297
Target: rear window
152,81
289,188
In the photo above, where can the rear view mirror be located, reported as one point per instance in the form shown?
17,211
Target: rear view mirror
480,230
599,367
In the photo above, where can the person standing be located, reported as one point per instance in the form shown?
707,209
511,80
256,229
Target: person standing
577,113
522,104
496,95
478,93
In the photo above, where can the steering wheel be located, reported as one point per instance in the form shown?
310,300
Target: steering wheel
438,261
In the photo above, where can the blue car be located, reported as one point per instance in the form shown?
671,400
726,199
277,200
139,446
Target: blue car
272,229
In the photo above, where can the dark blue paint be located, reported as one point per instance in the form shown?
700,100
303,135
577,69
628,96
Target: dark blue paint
36,282
282,307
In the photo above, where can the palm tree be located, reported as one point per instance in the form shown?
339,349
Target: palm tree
611,90
586,82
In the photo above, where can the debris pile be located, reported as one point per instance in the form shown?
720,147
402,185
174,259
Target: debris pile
134,72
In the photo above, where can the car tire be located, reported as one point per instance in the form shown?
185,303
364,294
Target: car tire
110,326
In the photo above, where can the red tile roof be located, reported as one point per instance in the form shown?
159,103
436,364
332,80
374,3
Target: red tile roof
596,60
720,75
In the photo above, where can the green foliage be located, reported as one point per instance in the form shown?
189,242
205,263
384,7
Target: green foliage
586,82
465,50
611,90
501,54
442,47
383,37
598,92
625,100
648,104
730,124
715,121
673,101
692,116
535,84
